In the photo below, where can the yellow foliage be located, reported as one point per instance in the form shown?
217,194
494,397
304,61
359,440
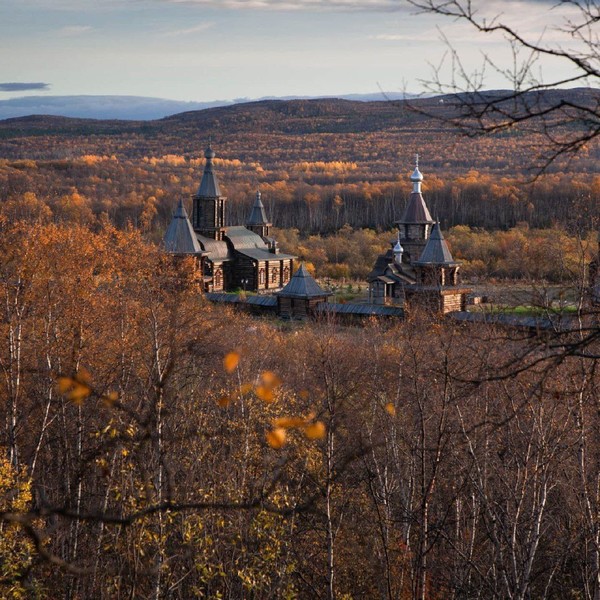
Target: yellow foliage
265,393
270,379
231,360
276,438
16,549
76,388
289,422
315,431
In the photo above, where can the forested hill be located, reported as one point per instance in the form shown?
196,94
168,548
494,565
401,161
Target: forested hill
328,115
266,116
319,163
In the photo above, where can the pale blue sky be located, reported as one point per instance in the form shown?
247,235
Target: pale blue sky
206,50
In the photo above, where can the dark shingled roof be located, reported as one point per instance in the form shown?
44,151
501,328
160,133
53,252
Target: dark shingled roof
258,215
302,285
242,238
218,251
416,210
251,244
258,254
223,297
262,300
550,322
436,251
360,310
209,186
228,298
180,237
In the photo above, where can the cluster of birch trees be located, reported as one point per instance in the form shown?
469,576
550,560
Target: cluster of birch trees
154,446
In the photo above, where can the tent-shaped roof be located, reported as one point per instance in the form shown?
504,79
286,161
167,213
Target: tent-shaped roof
302,285
416,210
209,186
436,251
258,215
180,237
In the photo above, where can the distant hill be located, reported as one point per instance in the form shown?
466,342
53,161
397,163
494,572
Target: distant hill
138,108
98,107
280,117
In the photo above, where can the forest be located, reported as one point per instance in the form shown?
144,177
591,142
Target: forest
156,446
320,164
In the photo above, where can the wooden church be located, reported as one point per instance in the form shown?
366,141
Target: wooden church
418,270
229,257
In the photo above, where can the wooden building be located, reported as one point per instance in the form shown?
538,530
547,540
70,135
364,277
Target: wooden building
301,296
231,257
418,268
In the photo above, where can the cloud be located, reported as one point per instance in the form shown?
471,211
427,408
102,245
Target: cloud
298,5
14,86
74,30
189,30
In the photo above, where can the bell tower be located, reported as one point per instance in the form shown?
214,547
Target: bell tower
208,214
257,222
416,223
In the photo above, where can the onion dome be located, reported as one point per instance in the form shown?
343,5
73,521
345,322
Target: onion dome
209,153
416,210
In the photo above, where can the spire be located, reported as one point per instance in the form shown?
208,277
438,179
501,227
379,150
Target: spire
258,216
416,177
436,251
209,186
416,210
180,237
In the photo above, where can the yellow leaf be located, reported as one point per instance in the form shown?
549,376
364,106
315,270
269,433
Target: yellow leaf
245,388
270,379
391,409
264,393
315,431
304,394
276,438
83,376
224,401
289,422
64,384
110,398
231,360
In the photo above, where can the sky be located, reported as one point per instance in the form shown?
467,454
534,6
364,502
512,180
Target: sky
205,50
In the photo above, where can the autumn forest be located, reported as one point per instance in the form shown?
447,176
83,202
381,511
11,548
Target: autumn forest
157,446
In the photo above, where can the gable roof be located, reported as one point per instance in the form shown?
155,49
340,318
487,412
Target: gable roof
180,237
436,251
302,285
209,186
